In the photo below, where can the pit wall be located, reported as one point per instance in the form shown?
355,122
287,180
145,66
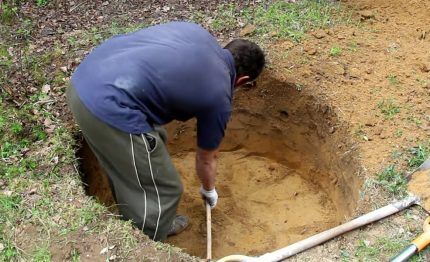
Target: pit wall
292,127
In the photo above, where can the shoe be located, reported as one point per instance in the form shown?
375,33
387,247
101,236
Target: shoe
180,223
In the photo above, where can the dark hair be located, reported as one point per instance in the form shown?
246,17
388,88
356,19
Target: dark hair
248,58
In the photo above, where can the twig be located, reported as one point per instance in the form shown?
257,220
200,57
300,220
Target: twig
76,6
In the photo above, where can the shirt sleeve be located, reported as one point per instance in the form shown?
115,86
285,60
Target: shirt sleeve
211,129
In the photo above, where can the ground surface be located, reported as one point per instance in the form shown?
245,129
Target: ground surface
367,77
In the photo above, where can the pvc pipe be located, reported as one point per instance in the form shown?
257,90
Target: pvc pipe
326,235
336,231
237,258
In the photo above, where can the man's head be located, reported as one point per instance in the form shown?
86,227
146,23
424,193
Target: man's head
248,59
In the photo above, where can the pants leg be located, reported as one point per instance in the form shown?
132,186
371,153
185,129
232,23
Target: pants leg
145,182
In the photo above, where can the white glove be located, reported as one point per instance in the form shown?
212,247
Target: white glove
211,196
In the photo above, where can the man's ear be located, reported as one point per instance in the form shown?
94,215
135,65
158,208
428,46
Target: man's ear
241,80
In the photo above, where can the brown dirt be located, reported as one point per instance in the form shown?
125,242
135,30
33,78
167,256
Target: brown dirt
263,205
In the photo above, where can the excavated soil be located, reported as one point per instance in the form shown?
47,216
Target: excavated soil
285,172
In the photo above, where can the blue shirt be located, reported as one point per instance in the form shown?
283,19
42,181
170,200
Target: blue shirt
155,75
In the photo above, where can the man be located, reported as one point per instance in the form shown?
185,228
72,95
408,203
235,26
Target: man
132,84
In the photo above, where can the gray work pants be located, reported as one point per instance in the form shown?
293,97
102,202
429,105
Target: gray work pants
144,181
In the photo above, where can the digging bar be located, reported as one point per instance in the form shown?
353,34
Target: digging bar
209,231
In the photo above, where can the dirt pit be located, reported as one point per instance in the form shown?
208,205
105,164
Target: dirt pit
286,170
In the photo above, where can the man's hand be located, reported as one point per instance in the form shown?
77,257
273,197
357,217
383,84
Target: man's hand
209,195
206,171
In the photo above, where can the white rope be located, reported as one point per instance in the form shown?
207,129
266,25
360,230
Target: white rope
156,189
138,180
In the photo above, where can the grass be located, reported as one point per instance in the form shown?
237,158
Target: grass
389,108
393,181
8,12
360,133
41,3
75,255
398,133
419,154
353,46
384,248
279,19
42,254
25,29
225,18
392,79
422,82
335,51
415,120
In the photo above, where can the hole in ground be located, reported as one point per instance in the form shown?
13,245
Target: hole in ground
286,171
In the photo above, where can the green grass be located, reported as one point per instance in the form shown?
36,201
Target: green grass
292,20
353,46
365,250
9,252
360,133
8,12
398,133
393,181
42,254
388,108
225,18
422,82
75,255
41,3
419,154
279,18
415,120
335,51
384,248
5,57
392,79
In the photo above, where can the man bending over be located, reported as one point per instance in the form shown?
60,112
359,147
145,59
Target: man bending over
132,84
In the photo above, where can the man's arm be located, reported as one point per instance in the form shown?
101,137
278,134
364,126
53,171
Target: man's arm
206,167
210,131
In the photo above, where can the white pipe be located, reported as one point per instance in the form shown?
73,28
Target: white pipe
237,258
336,231
326,235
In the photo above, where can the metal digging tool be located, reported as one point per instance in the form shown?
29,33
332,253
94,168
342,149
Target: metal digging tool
419,184
416,246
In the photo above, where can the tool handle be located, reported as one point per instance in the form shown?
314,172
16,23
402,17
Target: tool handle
209,231
422,240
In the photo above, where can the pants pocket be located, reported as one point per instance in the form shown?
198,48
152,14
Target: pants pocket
152,142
